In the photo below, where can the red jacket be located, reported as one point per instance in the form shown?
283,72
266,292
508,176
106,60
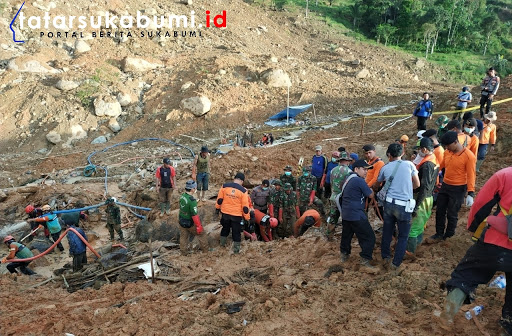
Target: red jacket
497,190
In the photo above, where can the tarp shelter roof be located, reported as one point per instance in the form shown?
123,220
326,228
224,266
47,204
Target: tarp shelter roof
293,111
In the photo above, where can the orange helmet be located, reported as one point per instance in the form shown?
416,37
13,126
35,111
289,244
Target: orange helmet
29,208
273,222
8,239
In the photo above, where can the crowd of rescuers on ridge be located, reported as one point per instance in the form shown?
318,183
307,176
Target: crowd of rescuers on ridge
438,169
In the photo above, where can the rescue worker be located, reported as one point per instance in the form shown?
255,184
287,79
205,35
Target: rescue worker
354,157
77,248
333,163
442,122
487,137
288,177
428,170
275,198
17,251
165,183
464,139
260,196
201,172
306,191
423,111
438,149
355,221
489,87
265,224
492,251
51,222
288,212
73,218
34,212
319,169
463,98
459,165
469,129
338,176
374,161
310,218
188,218
233,204
113,218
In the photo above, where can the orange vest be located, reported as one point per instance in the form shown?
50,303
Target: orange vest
431,158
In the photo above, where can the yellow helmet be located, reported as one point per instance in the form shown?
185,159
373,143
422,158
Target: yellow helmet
46,207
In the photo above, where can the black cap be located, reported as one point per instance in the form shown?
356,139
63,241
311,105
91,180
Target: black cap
266,183
166,161
430,132
449,138
341,149
362,164
309,221
204,149
368,148
470,122
427,143
395,150
453,124
467,115
240,176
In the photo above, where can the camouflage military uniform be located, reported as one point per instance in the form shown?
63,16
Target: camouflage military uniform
275,200
288,202
305,185
289,179
114,220
338,176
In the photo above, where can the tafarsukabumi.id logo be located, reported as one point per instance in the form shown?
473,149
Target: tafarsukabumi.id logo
62,26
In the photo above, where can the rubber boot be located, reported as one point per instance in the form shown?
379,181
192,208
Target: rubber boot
452,304
168,208
27,271
478,165
236,247
366,267
223,241
162,209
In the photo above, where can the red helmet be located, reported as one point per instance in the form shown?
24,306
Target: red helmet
8,239
273,222
29,208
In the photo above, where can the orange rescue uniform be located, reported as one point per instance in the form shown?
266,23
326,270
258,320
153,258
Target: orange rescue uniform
233,200
488,135
312,213
460,168
373,174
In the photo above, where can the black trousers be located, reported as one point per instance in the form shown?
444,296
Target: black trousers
485,100
23,268
421,123
478,267
364,233
318,189
55,237
327,190
78,261
229,223
449,201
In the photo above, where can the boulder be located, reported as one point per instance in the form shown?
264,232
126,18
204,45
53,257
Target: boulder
107,106
81,47
199,105
3,196
65,85
77,132
420,63
158,230
99,140
276,78
53,137
132,64
30,65
114,125
124,98
363,74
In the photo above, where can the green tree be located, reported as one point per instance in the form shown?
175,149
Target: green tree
385,31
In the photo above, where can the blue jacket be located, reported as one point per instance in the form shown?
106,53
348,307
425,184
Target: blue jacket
76,245
330,166
424,108
318,165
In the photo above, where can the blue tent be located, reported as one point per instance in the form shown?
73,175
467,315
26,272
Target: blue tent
279,119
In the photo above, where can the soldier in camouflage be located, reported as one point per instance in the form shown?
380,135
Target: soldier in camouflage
288,177
276,193
113,218
338,176
306,191
288,212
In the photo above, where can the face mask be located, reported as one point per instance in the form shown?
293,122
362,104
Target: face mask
287,173
265,188
422,154
306,174
469,130
334,160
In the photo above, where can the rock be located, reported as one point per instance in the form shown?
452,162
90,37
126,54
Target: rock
187,2
114,125
32,65
3,196
131,64
356,62
222,72
363,74
263,28
276,78
124,98
273,59
107,106
43,151
81,47
53,137
416,78
199,105
187,86
77,132
65,85
159,230
420,63
99,140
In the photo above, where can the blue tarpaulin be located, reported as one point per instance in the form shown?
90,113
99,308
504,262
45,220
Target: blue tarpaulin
292,112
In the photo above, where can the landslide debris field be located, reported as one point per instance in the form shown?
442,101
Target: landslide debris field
287,287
